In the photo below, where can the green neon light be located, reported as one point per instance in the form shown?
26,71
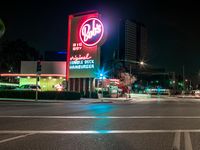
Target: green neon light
9,84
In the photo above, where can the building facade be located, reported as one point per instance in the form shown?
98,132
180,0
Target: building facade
133,44
52,75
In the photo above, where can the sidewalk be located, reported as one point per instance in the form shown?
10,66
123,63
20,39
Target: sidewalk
134,98
188,96
104,100
33,100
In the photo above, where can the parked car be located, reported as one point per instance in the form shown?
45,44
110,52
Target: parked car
7,87
195,92
158,91
29,87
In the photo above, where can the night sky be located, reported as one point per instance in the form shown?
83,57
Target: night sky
173,26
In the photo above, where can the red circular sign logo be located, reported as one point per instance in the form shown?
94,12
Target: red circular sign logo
91,32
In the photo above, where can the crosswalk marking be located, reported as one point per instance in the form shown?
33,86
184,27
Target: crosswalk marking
93,131
188,143
175,146
177,139
15,138
105,117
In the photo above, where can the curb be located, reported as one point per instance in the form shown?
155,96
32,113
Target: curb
100,102
34,101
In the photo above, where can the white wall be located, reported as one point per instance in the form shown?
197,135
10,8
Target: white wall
48,67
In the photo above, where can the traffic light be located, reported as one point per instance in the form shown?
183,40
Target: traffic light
39,66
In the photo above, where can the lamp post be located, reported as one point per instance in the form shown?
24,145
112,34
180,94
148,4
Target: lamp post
140,63
101,78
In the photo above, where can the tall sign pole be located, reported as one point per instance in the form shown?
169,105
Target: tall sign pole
68,50
184,79
85,37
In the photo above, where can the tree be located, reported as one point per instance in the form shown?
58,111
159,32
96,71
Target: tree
13,52
126,81
117,70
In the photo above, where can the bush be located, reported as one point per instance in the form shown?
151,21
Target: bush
106,94
59,95
48,95
87,95
17,94
94,95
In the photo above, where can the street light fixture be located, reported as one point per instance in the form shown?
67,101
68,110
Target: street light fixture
134,62
141,63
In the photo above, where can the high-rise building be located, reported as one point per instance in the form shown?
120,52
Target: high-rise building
133,45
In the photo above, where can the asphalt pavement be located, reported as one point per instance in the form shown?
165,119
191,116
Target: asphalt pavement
149,125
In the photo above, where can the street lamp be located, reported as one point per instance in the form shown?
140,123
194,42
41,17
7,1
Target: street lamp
135,62
101,75
141,63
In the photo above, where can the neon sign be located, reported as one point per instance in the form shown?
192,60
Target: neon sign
80,57
86,34
91,32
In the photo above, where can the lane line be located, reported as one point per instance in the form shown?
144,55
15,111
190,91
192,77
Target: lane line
15,138
177,141
93,131
188,143
105,117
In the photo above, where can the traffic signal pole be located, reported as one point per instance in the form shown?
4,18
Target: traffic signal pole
38,71
36,93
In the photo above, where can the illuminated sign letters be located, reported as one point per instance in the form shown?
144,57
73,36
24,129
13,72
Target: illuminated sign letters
91,32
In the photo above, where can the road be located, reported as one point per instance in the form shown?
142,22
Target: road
100,126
